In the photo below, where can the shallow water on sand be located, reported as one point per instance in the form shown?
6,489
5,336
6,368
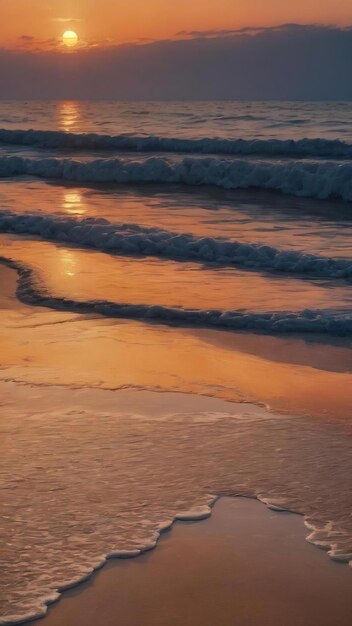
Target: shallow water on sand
85,275
109,469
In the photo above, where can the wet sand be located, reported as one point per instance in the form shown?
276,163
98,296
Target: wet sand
245,565
8,281
288,374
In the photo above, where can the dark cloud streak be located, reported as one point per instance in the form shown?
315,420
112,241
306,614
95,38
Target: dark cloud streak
246,30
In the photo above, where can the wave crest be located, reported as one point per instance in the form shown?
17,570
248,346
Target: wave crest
261,147
132,239
332,322
304,179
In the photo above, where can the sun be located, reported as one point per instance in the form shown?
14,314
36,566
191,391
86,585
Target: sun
70,38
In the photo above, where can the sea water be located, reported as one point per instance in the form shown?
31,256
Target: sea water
144,235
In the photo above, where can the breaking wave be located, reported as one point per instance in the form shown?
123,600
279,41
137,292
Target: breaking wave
299,178
332,322
271,147
132,239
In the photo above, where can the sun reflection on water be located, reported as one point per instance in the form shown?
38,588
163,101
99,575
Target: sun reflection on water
69,114
67,262
72,203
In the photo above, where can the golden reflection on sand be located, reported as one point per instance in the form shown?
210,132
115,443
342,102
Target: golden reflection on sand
66,349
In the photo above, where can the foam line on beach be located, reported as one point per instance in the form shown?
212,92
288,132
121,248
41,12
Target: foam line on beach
132,239
199,513
328,148
320,179
332,322
196,514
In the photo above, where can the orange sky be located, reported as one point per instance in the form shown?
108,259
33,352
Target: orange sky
130,20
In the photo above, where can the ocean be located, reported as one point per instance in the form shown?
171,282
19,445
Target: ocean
180,329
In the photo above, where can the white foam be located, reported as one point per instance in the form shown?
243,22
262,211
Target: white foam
131,239
194,515
123,554
299,178
273,505
263,147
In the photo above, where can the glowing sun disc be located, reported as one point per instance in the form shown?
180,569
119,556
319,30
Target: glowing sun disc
70,38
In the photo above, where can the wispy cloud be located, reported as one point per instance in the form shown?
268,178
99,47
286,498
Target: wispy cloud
38,45
34,44
65,20
26,38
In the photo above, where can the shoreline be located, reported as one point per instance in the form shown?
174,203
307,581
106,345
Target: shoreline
158,406
154,406
289,374
219,565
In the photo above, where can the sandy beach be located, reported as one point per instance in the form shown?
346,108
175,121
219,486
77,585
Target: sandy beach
245,565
